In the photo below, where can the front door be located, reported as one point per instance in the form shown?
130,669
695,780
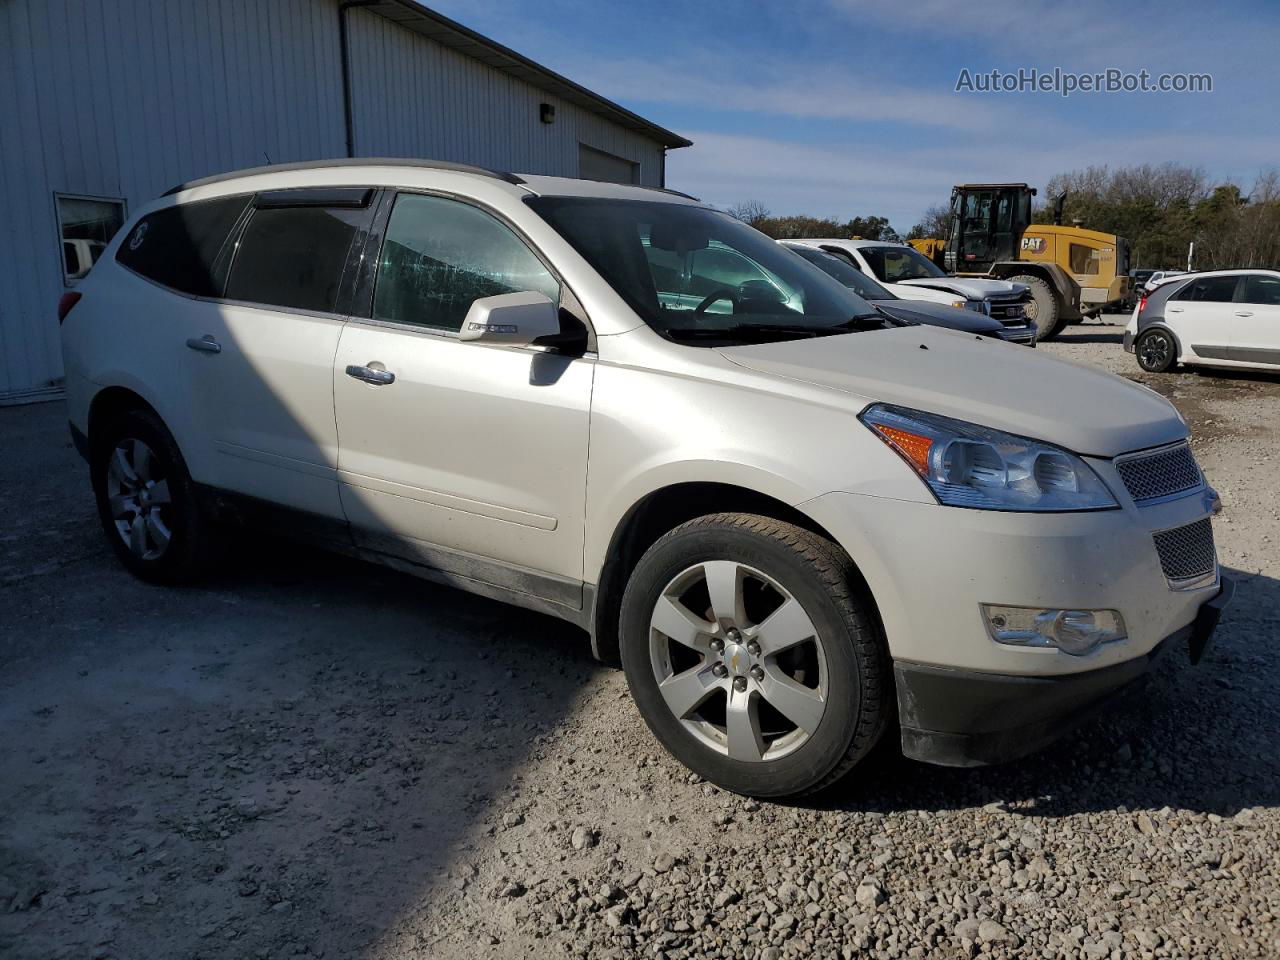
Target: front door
261,367
1202,316
1256,333
467,458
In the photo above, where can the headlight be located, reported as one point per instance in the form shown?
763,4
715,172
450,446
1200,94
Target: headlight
960,304
966,465
977,306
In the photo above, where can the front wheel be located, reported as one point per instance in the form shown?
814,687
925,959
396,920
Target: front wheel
751,657
1156,351
1043,307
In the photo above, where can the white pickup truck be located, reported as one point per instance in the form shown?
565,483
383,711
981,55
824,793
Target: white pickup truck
909,274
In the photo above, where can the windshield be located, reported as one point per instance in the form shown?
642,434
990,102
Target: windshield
895,264
689,271
844,271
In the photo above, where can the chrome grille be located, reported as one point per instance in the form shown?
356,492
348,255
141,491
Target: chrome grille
1161,473
1007,311
1187,552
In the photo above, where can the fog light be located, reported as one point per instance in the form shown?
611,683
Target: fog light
1076,632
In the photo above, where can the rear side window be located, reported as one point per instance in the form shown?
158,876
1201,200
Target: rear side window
294,256
442,255
1262,290
1208,290
180,246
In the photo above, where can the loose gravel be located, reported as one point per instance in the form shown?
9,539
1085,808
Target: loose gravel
311,758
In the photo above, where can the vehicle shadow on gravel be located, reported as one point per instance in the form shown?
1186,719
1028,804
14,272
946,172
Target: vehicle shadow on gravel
287,759
1199,738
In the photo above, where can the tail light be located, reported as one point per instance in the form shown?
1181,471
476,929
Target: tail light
68,300
1142,304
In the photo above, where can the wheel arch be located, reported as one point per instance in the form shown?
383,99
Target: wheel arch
1161,325
661,510
1062,284
112,402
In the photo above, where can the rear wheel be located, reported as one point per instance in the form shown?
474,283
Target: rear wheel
1156,351
750,656
1043,307
146,500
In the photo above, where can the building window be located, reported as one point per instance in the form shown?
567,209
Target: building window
85,227
595,164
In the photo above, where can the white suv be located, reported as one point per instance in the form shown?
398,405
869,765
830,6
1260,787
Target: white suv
791,518
1223,318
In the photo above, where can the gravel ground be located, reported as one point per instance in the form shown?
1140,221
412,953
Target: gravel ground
308,757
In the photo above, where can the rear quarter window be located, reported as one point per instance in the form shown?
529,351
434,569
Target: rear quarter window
180,246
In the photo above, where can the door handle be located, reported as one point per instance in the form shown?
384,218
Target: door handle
1244,313
371,374
205,344
1175,309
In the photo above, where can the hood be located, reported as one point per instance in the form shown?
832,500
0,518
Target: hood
970,288
940,315
981,380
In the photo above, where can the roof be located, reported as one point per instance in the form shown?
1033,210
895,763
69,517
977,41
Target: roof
345,168
435,26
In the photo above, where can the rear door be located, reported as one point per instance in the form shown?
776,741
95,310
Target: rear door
1202,316
468,458
1256,331
261,366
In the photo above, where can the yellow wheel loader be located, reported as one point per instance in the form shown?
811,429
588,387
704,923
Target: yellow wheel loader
1072,272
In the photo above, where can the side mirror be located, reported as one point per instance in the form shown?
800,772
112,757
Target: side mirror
517,319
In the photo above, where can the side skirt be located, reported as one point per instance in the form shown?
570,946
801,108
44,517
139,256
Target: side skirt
518,586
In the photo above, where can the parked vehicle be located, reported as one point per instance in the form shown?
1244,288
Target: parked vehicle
1072,272
788,521
1223,318
907,273
1017,330
1161,276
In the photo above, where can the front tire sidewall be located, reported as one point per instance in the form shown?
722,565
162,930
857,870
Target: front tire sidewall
812,762
1048,324
1170,355
183,559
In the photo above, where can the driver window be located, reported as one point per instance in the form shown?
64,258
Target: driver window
440,255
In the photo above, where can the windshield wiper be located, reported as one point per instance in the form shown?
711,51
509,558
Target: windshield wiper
747,331
863,321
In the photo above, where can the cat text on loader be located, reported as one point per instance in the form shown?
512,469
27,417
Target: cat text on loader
1072,272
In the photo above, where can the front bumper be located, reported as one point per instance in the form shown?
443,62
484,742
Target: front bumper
1024,334
962,718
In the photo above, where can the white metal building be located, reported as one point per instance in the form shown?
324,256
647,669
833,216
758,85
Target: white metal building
108,103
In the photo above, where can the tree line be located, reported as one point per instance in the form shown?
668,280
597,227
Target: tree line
1159,208
797,227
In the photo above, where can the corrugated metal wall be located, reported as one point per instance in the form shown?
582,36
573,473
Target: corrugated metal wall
124,98
416,98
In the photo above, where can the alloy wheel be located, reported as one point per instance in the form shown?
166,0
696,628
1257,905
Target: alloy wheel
139,499
1154,351
738,661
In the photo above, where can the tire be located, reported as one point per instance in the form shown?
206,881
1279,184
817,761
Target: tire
1044,304
836,680
1156,351
147,502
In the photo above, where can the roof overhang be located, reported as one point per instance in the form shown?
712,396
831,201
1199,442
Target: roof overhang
449,33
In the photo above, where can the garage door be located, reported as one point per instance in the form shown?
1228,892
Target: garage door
595,164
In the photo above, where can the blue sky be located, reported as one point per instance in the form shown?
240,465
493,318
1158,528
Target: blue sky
847,107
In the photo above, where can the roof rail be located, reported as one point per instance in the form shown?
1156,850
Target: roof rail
347,162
